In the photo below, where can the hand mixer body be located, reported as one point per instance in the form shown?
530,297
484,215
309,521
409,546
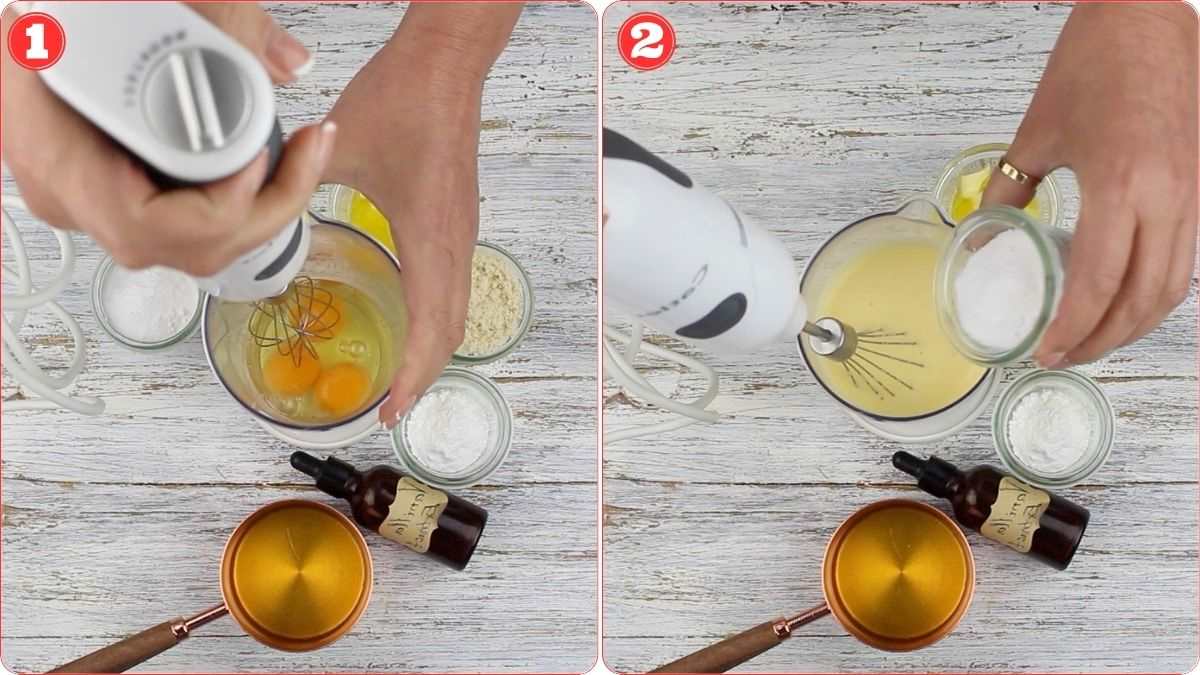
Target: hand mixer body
680,259
188,101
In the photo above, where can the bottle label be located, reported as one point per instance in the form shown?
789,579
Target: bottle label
413,516
1016,515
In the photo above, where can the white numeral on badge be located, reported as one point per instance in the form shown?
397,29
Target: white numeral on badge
649,36
37,41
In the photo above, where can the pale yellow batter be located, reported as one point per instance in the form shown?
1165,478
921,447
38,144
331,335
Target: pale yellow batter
890,288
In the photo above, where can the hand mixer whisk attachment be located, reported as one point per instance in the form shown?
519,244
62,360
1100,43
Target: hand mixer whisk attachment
292,320
861,354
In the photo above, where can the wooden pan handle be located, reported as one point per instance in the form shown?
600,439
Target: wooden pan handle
728,653
119,657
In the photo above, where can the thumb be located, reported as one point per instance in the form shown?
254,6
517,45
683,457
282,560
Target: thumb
425,357
284,57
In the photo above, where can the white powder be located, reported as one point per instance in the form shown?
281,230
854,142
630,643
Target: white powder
149,305
1050,430
998,293
450,429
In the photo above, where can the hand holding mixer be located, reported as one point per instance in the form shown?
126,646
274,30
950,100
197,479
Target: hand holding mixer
188,101
193,106
680,259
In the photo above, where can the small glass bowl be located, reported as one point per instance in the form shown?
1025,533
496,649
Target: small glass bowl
488,462
1102,418
1053,247
101,277
522,278
987,156
338,204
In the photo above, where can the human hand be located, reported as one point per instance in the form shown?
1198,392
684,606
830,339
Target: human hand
74,177
410,143
1116,104
416,161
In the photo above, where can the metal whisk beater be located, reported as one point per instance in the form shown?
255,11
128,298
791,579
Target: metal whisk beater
292,320
860,353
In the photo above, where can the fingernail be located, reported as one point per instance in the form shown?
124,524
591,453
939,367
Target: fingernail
404,407
328,132
400,412
288,54
1052,360
306,67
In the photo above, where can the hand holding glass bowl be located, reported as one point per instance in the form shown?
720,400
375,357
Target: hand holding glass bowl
1135,240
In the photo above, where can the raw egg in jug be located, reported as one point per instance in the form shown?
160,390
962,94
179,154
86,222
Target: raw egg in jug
285,376
342,388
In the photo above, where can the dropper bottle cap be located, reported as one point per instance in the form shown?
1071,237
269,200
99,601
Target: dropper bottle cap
933,475
333,475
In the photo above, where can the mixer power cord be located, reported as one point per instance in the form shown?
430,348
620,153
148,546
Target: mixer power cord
619,366
15,358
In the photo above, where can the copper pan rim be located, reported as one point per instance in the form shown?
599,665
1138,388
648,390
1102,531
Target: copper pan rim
258,632
883,642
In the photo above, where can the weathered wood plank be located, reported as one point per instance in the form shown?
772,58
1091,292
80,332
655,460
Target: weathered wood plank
112,557
687,563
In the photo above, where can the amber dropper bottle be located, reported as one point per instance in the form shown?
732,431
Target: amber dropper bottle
1002,508
401,508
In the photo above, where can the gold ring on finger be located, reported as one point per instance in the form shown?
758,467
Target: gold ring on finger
1016,175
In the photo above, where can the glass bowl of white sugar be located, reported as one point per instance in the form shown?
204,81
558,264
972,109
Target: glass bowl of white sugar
1053,428
998,284
457,434
145,310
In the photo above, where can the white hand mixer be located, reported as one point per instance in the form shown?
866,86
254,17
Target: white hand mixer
194,106
681,260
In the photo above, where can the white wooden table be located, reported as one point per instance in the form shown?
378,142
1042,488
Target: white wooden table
114,523
807,118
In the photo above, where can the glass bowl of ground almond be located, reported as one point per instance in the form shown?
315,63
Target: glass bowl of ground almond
500,310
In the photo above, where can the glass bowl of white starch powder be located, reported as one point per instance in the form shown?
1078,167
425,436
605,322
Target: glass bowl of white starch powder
998,284
145,310
457,434
1053,428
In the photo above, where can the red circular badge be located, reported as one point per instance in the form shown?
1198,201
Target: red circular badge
36,40
646,41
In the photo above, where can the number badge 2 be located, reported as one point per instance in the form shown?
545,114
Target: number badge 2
646,41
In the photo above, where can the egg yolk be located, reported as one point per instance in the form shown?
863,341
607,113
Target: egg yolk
286,377
319,316
342,389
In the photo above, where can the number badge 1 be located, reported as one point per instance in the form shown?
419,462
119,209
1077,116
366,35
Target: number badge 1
36,41
646,41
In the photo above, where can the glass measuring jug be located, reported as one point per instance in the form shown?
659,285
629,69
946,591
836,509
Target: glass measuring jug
887,598
918,223
339,254
256,599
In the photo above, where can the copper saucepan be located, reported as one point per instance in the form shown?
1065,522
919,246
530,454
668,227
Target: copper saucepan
849,612
299,636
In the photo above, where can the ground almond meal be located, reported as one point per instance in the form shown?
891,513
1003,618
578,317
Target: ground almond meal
494,311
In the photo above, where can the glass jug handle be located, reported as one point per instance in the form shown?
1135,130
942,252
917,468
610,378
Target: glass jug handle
923,209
